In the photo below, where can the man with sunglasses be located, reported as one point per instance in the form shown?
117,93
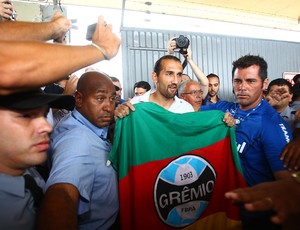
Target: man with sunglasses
118,88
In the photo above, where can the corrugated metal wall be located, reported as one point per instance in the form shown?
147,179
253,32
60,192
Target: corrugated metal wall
212,53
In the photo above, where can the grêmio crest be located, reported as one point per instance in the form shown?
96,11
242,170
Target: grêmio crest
183,190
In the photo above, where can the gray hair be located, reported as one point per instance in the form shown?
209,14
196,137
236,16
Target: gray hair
182,86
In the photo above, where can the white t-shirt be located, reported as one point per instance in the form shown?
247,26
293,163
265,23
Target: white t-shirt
178,106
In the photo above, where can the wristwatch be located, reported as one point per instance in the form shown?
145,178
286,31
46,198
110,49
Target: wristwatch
296,176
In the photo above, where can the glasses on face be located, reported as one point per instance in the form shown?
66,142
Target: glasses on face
195,92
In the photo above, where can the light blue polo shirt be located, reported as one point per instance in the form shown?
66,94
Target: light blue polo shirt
79,152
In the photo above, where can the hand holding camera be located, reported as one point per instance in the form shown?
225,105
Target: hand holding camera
7,11
182,43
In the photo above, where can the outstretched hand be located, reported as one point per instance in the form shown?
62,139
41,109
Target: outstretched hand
61,26
106,39
291,155
282,196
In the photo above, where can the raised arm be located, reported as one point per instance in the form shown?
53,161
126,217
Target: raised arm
196,69
291,155
269,196
25,65
35,31
198,72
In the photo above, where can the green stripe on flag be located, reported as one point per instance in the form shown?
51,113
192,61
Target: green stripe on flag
150,127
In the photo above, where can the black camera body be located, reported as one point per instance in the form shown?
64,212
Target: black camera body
182,43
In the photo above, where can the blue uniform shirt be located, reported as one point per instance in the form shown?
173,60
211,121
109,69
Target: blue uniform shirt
261,136
16,203
79,152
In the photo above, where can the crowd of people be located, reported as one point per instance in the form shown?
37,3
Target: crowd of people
264,157
24,109
58,139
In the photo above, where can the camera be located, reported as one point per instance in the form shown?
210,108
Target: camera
182,43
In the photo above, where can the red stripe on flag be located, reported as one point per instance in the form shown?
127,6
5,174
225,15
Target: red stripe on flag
137,207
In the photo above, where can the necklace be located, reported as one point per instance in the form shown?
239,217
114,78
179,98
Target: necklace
239,119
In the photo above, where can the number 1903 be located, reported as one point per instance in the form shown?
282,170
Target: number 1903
186,176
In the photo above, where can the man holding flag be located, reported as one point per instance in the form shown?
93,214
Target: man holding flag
171,168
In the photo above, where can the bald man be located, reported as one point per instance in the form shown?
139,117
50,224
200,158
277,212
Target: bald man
80,185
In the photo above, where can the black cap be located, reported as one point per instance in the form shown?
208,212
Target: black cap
36,98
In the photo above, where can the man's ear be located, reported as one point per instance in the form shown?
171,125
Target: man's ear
154,77
78,99
291,97
265,84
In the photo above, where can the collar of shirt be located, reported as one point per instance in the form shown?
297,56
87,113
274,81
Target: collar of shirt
100,132
287,113
209,98
12,184
146,96
295,105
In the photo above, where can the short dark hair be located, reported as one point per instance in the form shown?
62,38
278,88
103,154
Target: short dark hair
249,60
114,79
296,78
213,75
296,91
279,82
142,84
157,66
